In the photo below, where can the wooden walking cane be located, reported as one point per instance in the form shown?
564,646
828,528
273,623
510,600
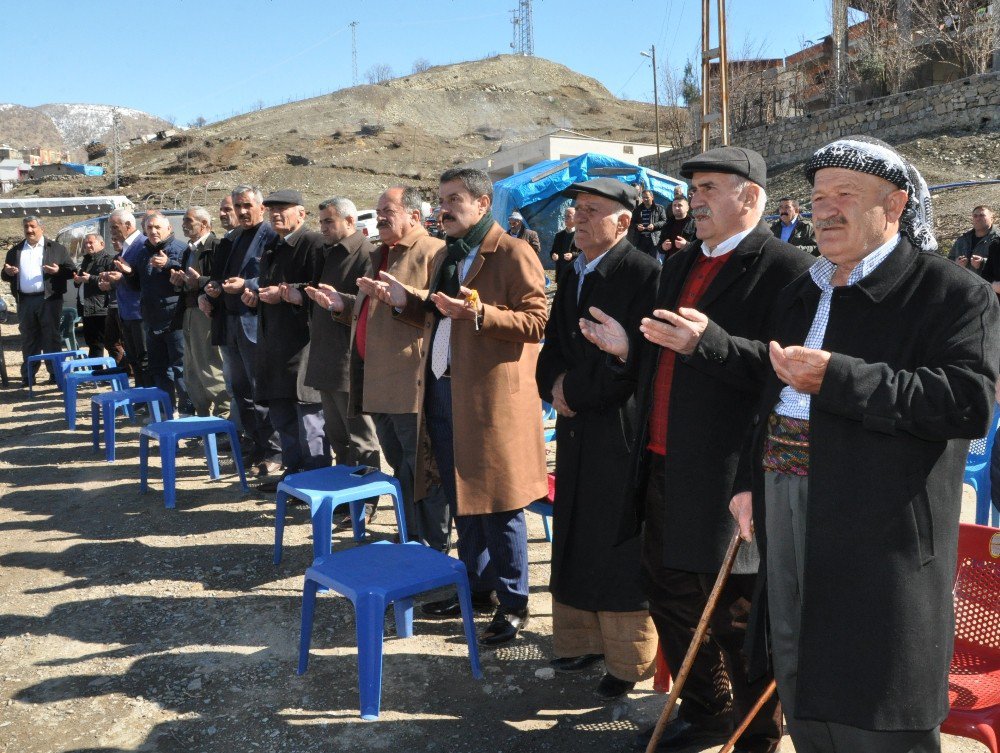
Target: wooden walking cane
731,742
699,636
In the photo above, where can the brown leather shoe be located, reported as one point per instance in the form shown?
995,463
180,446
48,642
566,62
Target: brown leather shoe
266,468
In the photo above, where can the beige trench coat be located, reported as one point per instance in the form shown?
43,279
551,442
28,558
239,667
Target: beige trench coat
499,444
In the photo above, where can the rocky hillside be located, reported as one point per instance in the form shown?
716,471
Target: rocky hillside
25,127
359,140
79,124
69,127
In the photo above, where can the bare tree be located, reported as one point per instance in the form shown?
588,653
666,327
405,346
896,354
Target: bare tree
886,55
675,120
379,73
420,65
198,122
963,32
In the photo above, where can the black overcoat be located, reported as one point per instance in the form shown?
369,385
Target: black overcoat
283,328
708,420
592,448
915,347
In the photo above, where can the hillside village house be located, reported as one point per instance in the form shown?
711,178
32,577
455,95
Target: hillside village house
12,170
560,144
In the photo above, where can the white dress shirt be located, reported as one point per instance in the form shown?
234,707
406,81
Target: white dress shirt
29,275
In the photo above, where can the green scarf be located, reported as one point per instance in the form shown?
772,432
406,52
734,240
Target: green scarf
458,249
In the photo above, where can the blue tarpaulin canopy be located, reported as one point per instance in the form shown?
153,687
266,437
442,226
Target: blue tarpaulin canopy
536,192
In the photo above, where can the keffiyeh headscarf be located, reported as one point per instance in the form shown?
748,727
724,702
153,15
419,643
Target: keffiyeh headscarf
867,155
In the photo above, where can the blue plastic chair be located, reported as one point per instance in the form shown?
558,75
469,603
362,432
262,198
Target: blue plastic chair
56,361
977,472
548,414
168,433
107,404
325,489
81,371
373,577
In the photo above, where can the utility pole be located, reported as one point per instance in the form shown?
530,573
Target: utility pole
708,54
354,53
656,101
116,143
515,21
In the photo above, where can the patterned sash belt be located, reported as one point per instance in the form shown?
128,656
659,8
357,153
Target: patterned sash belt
787,447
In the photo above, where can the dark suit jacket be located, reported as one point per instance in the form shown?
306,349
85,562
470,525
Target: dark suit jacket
593,447
52,253
563,244
283,328
645,240
531,238
159,300
910,382
339,265
803,235
95,301
708,420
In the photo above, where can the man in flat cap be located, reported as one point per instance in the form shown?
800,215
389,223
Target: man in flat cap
877,369
598,607
294,410
517,228
688,439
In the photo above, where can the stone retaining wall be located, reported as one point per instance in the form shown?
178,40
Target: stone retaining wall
969,104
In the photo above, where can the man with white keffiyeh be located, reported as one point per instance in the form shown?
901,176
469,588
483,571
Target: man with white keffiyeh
880,369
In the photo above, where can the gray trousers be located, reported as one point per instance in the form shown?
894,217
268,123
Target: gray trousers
352,438
428,521
786,499
203,377
38,323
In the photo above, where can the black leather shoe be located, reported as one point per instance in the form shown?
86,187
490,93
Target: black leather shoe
570,664
370,512
482,602
680,733
611,687
504,627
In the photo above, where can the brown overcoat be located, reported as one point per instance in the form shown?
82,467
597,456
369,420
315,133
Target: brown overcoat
386,382
499,445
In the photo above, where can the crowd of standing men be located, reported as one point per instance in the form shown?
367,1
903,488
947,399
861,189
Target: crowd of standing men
710,376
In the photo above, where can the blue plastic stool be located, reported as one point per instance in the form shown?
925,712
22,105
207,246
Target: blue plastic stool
73,378
55,365
168,432
108,404
977,472
548,414
373,577
327,488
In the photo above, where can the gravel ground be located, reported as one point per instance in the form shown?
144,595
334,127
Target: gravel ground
129,627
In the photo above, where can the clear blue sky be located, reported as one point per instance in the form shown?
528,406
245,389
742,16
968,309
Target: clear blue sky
214,58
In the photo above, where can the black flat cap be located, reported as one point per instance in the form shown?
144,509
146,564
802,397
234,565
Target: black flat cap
284,196
609,188
728,159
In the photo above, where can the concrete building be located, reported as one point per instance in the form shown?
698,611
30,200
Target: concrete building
561,144
11,172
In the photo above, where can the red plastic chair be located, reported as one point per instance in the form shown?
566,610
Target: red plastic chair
974,677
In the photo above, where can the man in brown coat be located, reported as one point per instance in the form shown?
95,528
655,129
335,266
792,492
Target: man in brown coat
385,356
483,320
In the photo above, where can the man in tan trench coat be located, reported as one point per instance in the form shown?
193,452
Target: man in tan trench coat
482,321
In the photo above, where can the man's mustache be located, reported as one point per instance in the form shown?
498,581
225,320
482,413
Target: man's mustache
830,222
701,212
447,216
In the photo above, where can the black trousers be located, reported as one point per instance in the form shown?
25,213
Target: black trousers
38,324
113,337
93,334
717,694
134,337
